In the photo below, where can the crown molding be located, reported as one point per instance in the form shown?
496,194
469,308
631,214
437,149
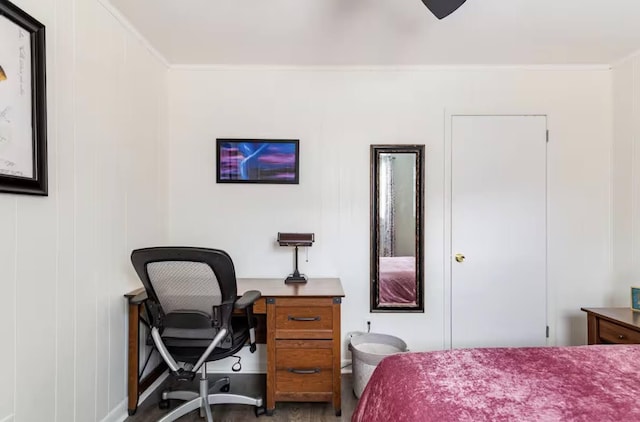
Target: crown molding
625,59
392,68
126,24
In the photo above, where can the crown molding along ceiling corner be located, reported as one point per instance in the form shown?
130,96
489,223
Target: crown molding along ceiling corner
436,43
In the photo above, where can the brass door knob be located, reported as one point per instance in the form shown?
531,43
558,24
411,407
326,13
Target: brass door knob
459,257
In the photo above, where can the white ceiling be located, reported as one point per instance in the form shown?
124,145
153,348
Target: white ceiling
386,32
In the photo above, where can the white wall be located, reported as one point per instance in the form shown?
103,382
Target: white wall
65,257
625,183
337,114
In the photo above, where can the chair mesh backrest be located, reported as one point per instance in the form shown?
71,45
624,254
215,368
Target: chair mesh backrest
186,278
185,285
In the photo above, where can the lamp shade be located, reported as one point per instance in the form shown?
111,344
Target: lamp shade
296,239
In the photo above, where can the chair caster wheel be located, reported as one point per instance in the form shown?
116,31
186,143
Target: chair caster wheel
339,412
260,410
269,412
164,404
225,388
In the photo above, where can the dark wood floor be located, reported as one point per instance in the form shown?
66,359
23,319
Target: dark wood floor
252,385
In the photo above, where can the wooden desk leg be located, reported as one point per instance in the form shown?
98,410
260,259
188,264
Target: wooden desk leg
337,348
271,356
592,327
133,346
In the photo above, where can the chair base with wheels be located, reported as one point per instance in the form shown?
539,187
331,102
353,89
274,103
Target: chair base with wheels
207,396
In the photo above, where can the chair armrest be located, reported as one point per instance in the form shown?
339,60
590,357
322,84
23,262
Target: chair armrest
247,299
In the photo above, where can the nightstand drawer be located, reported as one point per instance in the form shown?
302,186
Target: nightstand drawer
614,333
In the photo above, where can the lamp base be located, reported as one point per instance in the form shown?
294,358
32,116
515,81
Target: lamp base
296,279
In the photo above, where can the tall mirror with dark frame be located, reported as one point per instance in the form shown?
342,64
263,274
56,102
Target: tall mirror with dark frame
397,203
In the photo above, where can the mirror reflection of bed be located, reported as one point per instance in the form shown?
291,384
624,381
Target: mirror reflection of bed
397,283
396,203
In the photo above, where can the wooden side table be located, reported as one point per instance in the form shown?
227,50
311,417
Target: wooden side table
613,325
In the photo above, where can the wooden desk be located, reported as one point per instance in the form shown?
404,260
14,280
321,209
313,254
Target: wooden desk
613,326
302,337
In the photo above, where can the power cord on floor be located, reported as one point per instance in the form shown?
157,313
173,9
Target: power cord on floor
236,367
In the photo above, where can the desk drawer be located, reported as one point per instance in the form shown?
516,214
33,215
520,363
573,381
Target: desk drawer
304,370
304,322
614,333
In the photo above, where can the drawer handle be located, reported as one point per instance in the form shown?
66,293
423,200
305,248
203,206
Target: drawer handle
294,318
621,336
304,371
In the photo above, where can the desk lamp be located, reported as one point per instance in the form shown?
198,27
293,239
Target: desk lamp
296,239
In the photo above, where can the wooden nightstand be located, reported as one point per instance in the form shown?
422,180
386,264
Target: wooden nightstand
613,326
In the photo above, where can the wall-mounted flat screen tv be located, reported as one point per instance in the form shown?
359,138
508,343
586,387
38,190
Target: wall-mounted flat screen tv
257,161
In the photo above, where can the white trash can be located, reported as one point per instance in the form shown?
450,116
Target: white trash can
367,350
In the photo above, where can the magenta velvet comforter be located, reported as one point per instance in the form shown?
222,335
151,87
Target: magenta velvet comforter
585,383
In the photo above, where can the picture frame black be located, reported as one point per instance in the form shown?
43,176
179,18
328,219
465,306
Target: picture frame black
257,160
26,174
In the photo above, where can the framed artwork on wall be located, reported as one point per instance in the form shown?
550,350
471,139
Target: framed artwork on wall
635,299
23,122
258,161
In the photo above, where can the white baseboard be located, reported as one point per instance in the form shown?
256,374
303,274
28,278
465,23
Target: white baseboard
252,363
346,366
154,385
118,413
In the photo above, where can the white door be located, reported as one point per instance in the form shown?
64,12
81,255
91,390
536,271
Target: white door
498,224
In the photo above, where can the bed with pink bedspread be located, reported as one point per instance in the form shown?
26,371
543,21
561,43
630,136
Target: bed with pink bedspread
397,280
583,383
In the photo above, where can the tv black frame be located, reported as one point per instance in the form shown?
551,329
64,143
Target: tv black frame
294,181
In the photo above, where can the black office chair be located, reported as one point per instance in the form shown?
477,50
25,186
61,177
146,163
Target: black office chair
191,296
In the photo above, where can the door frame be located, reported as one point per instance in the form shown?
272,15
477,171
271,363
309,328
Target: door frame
447,261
